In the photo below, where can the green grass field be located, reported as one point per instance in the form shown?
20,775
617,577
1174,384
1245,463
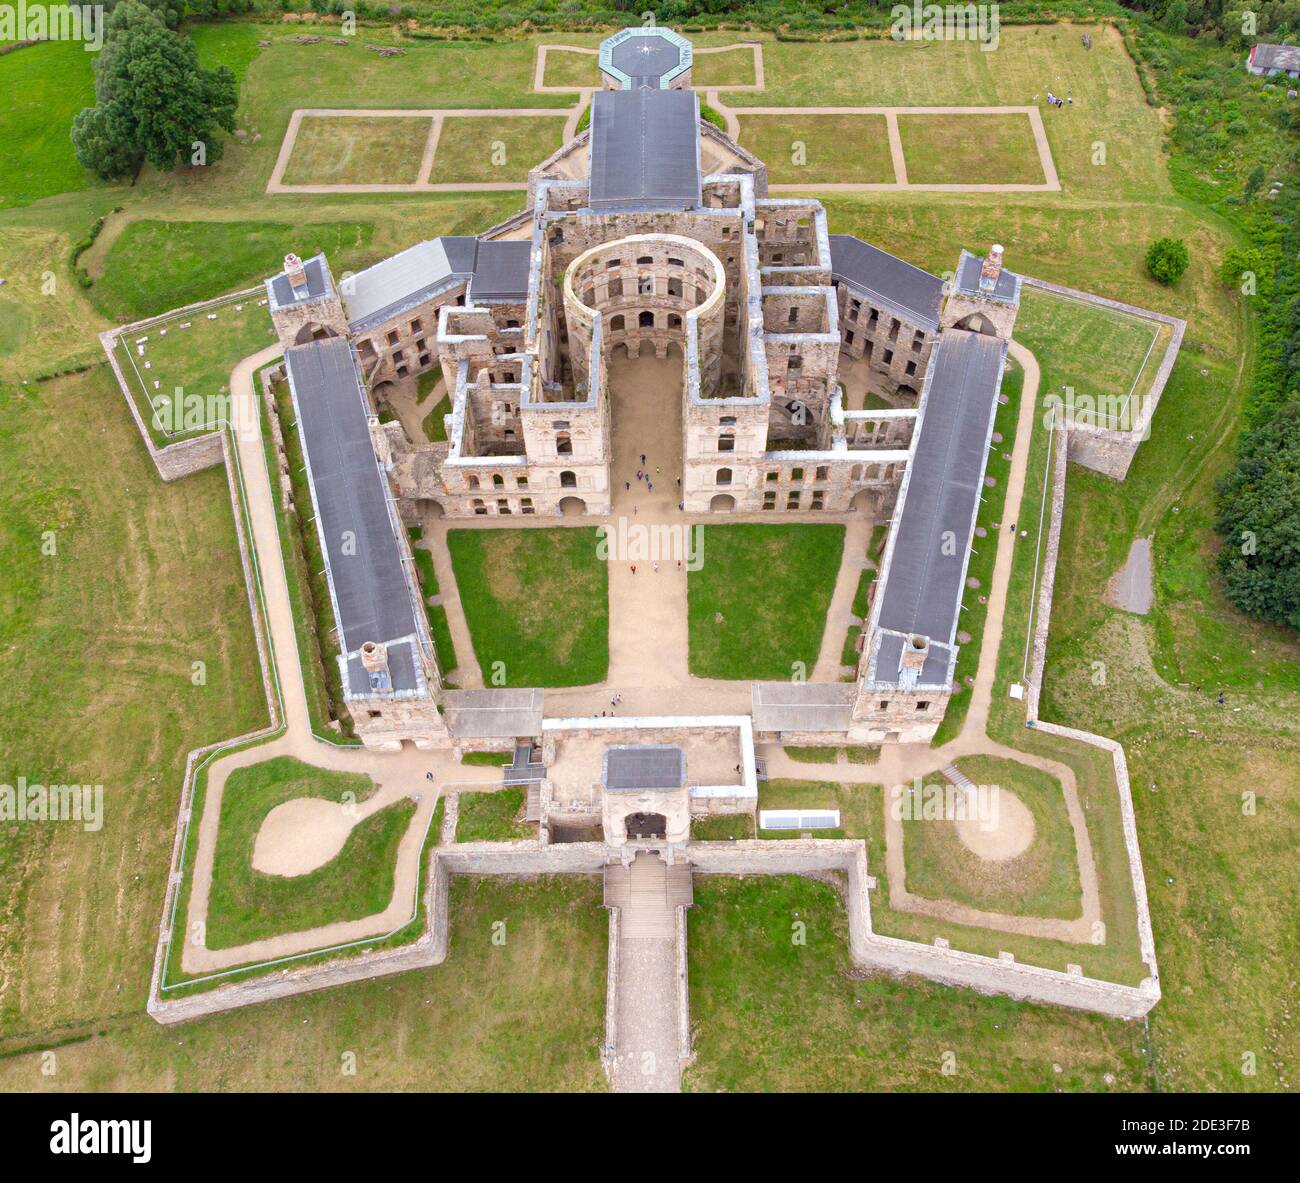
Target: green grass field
566,68
820,149
777,1006
481,149
155,266
247,905
1106,358
357,150
758,604
1043,881
969,150
197,360
98,645
854,802
537,604
45,86
731,67
495,1016
493,817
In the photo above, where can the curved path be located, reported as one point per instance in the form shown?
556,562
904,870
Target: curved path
400,774
900,764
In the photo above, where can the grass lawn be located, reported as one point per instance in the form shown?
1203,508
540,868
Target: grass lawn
45,86
43,326
246,905
426,382
854,802
1043,881
537,604
1109,104
493,817
722,827
758,604
198,360
525,1014
566,68
358,150
156,266
731,67
487,759
1104,357
776,1006
479,149
98,645
835,148
970,150
434,423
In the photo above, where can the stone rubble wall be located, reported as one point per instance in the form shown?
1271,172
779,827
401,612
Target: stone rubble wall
685,1053
613,969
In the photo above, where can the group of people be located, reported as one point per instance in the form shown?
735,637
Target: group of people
1054,100
613,702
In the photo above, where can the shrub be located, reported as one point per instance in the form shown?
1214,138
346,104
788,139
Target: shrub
1167,259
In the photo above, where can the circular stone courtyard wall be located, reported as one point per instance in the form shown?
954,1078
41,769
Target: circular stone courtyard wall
651,289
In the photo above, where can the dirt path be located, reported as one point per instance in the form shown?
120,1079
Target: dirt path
901,764
857,537
397,775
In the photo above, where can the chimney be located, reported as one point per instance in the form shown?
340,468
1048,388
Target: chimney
374,659
915,651
992,269
296,274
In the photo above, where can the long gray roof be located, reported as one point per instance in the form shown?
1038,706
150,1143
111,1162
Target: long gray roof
631,767
1275,57
363,559
645,150
924,581
908,292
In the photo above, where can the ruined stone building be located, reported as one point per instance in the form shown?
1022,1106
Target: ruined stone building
819,376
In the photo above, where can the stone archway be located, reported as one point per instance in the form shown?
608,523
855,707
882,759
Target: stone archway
722,503
864,501
977,322
646,825
312,331
573,507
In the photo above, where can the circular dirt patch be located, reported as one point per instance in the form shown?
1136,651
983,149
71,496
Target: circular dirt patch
301,836
1009,836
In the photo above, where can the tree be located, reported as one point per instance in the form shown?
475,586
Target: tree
1259,518
153,102
1167,259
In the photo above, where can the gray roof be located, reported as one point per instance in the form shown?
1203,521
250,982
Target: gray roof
645,56
409,277
363,559
501,271
632,767
802,706
493,714
646,59
319,284
969,267
645,150
1275,57
888,660
908,292
923,584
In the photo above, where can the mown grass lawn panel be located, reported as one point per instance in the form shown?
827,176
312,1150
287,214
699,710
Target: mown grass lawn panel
536,602
758,604
357,150
970,150
478,149
820,149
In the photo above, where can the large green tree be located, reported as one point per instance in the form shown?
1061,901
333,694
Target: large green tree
1259,518
153,101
